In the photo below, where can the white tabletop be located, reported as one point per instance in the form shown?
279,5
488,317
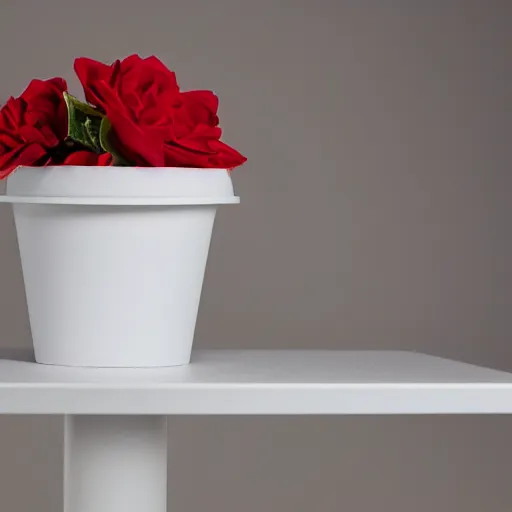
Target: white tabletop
260,382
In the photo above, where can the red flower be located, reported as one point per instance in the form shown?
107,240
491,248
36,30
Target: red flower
89,158
153,123
32,125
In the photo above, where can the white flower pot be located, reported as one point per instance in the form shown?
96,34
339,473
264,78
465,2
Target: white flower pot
113,260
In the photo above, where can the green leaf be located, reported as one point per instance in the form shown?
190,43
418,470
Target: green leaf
92,130
105,128
106,143
84,123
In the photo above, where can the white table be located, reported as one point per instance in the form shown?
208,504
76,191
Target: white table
115,420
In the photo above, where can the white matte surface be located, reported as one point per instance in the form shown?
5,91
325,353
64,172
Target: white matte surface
262,382
119,182
120,201
113,278
115,464
113,286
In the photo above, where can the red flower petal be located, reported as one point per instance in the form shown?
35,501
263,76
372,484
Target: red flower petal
88,158
206,99
9,140
225,156
220,156
105,159
23,155
200,138
38,89
36,136
89,72
135,143
202,106
130,62
45,105
158,65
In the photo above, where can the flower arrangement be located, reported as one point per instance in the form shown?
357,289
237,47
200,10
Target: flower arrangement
135,115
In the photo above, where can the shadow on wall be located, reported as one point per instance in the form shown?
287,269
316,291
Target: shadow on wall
13,310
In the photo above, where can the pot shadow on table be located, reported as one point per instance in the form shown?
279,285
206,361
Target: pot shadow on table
15,339
25,355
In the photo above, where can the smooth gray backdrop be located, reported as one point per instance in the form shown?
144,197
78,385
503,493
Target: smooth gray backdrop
375,214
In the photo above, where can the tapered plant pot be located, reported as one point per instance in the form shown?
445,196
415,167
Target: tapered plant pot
113,260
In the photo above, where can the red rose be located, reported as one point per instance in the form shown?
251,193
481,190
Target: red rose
153,123
32,125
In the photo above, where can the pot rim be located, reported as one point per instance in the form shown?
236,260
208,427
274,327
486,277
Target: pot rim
130,186
119,201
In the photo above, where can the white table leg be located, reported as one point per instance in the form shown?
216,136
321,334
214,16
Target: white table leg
115,464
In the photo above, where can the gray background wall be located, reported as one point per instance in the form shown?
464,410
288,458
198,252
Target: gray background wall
375,214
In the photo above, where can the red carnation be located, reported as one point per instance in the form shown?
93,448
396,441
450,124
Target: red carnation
32,125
